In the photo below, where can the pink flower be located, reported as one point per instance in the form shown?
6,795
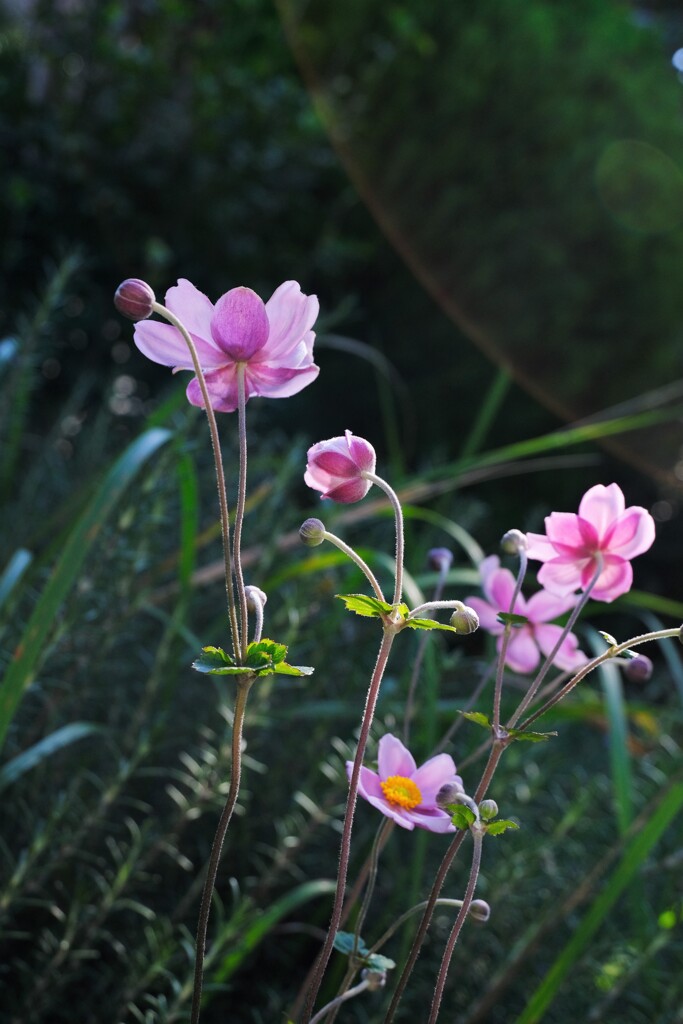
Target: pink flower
603,527
273,341
537,636
338,468
404,792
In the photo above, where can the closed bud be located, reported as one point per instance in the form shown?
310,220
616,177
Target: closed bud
255,597
464,619
312,532
480,911
134,299
639,669
488,809
440,559
449,793
375,979
513,542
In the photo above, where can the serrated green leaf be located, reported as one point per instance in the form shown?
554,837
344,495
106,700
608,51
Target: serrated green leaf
462,817
512,619
269,648
362,604
608,638
496,828
530,737
377,962
344,942
477,717
211,659
429,624
283,669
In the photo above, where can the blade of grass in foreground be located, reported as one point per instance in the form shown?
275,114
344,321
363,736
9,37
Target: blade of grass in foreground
46,747
634,856
29,651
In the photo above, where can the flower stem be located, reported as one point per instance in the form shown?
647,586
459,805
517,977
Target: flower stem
349,994
220,475
419,657
355,557
398,513
507,632
239,512
405,916
243,687
477,837
345,850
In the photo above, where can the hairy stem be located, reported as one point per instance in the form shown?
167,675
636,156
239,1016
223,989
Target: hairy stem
239,512
398,514
498,690
355,557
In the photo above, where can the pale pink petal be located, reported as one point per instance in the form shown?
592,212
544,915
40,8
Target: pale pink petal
540,547
434,820
431,776
562,575
163,343
601,505
487,570
239,324
568,655
522,653
191,307
544,606
615,580
393,758
279,384
567,532
349,492
501,586
221,385
488,615
632,534
291,314
335,463
361,452
368,782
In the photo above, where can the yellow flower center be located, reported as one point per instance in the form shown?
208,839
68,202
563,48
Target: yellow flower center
401,792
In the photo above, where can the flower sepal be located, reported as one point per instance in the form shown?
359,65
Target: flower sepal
264,658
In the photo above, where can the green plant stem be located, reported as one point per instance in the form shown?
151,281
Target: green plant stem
345,850
239,511
243,686
405,916
419,657
398,514
377,847
477,838
338,1000
355,557
220,475
498,690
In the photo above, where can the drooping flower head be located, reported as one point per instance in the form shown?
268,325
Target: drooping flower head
603,531
538,635
272,340
338,468
404,792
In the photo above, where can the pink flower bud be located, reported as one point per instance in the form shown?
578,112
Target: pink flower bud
480,911
312,533
134,298
339,468
639,669
513,542
440,559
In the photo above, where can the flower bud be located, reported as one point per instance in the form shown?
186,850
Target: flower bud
375,979
134,299
449,793
312,533
440,559
488,809
464,619
339,468
513,542
480,911
639,669
255,597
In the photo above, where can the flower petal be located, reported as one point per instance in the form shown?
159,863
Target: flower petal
544,606
221,385
488,615
567,532
432,775
522,653
601,505
291,314
239,324
433,820
192,307
393,758
163,343
632,534
540,547
616,579
368,782
562,575
568,656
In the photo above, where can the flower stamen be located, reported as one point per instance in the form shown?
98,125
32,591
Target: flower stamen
401,792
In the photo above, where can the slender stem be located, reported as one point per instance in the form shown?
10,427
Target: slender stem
220,475
405,916
419,657
398,513
428,605
459,719
258,615
345,850
377,846
355,557
243,687
241,500
498,690
477,837
349,994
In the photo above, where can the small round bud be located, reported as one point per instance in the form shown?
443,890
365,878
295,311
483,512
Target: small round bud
134,299
312,532
480,911
449,793
638,670
488,809
513,542
464,619
255,597
375,979
440,559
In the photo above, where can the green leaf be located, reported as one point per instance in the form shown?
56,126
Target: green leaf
429,624
214,660
344,942
283,669
462,817
265,652
477,717
530,737
496,828
371,607
32,757
510,618
377,962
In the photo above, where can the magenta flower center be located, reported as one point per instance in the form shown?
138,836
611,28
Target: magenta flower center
401,792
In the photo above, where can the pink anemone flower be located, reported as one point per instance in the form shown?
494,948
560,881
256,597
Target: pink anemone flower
272,340
604,532
537,636
404,792
338,468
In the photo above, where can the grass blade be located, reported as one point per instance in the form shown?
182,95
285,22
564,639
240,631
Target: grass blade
31,758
